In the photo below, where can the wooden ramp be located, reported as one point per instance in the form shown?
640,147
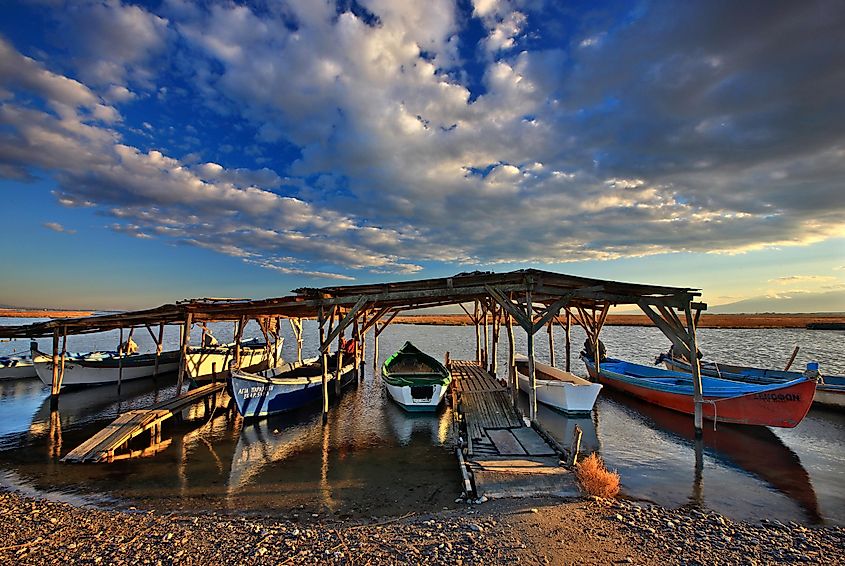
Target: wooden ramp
503,455
102,446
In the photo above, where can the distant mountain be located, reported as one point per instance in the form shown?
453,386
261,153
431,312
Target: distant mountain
788,302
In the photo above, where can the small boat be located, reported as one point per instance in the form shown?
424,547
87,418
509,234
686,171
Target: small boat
285,387
415,380
557,388
99,368
830,391
208,362
777,404
16,367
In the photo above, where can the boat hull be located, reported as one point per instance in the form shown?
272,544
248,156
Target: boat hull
206,363
783,406
22,370
256,395
406,397
830,395
82,372
559,389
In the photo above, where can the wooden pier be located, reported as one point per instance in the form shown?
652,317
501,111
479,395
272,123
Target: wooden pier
102,446
503,456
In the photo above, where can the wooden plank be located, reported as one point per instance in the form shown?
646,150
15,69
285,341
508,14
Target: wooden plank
505,442
532,442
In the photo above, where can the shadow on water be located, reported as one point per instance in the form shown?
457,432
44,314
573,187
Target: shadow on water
751,449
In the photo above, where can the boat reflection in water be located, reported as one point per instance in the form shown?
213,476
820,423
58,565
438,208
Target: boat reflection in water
406,425
752,449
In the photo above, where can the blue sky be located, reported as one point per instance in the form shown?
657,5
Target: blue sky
161,150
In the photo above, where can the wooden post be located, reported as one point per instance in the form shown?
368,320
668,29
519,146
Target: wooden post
567,331
363,352
239,332
551,344
183,354
532,376
120,351
486,349
321,321
158,348
698,396
375,350
575,447
512,377
494,347
476,320
356,338
339,358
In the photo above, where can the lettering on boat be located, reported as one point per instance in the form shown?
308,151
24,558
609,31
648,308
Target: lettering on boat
778,397
255,391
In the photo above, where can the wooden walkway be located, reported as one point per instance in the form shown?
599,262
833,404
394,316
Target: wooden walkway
102,446
503,455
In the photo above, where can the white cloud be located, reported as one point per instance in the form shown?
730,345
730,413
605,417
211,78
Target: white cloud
56,227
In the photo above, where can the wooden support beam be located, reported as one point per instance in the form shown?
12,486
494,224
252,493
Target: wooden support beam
121,350
679,340
568,334
522,318
698,393
494,347
183,352
486,350
512,378
325,375
532,375
158,348
477,320
356,360
340,353
386,323
296,328
374,319
342,324
550,328
55,385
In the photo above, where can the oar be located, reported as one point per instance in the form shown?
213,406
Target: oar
791,359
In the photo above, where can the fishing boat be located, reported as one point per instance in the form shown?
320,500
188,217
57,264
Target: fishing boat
99,368
830,390
285,387
208,362
415,380
777,404
557,388
16,367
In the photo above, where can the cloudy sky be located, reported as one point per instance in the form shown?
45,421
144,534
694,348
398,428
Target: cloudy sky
155,151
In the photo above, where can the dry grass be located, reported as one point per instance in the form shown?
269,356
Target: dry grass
595,479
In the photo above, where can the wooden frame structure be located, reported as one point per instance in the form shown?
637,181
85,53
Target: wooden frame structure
533,299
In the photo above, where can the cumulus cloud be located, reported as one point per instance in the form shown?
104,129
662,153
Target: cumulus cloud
56,227
692,127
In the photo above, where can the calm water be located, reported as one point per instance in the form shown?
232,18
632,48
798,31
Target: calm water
374,459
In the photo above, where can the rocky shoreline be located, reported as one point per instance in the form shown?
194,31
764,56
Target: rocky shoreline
524,531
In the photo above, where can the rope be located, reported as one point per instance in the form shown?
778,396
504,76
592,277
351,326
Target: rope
712,402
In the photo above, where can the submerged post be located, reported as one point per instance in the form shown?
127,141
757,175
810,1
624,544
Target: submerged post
698,395
550,329
567,331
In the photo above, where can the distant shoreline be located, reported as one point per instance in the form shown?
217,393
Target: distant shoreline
835,321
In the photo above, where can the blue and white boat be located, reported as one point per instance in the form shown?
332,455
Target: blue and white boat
285,387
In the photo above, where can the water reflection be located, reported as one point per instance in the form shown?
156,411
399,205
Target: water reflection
754,450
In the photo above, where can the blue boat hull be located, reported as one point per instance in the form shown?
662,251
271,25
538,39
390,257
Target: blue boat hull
260,397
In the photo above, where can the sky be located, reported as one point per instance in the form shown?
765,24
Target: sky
155,151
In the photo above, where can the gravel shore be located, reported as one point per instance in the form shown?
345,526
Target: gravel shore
525,531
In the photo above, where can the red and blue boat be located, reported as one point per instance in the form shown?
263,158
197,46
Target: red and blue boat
778,404
286,387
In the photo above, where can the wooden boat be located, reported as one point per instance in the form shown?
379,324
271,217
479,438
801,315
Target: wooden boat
415,380
778,404
285,387
557,388
830,391
99,368
16,367
208,362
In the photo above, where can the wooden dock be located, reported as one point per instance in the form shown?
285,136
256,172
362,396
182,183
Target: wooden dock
102,446
503,456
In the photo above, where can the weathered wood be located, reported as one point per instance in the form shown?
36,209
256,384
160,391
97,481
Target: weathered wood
343,323
791,358
505,442
325,375
477,320
698,395
120,352
158,344
514,386
532,375
183,351
494,347
550,329
568,334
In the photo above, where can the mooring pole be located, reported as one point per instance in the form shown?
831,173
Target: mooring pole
698,395
183,354
321,321
477,320
120,352
567,331
512,377
532,376
486,350
494,347
55,385
550,329
356,361
158,349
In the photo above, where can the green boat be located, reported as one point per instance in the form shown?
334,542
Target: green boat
415,380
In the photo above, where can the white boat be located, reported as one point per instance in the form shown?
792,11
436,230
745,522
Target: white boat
415,380
213,361
16,367
98,368
557,388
